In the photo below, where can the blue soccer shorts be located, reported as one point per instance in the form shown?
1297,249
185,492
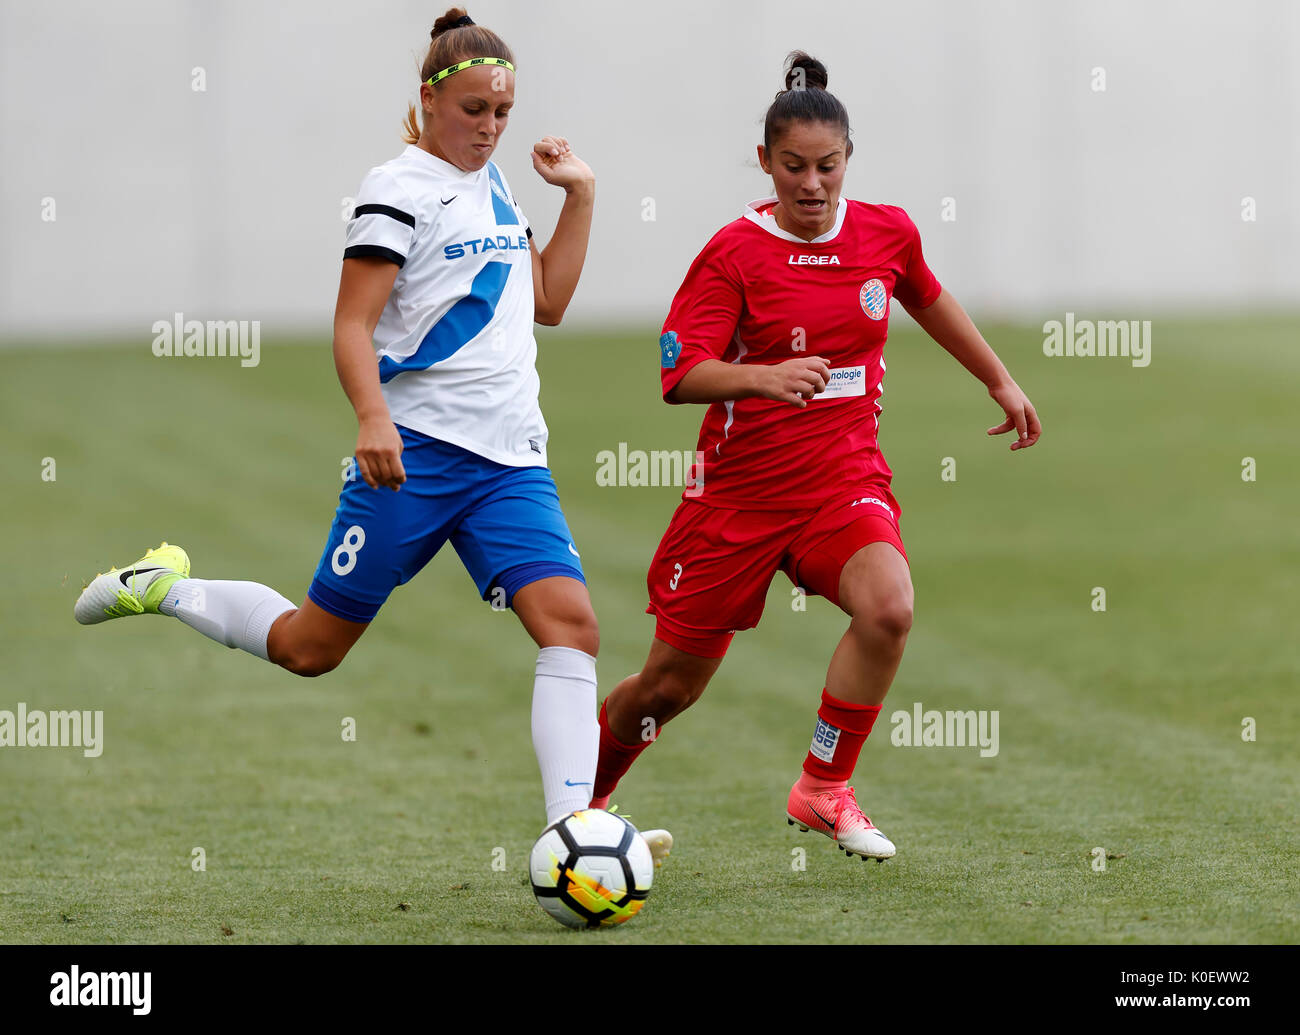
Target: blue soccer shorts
504,522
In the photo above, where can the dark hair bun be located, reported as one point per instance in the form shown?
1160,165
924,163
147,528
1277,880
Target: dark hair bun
804,72
447,21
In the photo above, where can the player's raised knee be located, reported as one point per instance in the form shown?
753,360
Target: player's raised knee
313,660
890,616
666,691
664,698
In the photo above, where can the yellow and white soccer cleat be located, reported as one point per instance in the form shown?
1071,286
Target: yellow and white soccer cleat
661,845
134,590
660,842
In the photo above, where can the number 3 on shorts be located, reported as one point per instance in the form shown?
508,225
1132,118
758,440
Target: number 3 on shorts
345,557
677,574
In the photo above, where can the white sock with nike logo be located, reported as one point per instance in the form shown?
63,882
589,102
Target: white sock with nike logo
238,614
566,735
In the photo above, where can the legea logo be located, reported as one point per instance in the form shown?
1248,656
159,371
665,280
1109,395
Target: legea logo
877,502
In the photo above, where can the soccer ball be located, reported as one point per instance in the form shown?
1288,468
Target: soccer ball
591,869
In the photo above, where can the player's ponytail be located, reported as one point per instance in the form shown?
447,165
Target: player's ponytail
454,39
805,99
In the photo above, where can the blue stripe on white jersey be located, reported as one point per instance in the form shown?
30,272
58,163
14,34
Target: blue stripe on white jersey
505,212
463,322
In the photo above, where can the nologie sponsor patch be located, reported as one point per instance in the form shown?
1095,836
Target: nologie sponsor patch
845,382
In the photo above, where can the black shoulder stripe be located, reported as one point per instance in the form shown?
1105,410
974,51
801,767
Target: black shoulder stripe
529,232
374,251
384,210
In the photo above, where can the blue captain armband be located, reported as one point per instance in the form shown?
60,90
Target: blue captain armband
669,349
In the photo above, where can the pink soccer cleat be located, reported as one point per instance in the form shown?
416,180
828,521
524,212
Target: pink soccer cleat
836,814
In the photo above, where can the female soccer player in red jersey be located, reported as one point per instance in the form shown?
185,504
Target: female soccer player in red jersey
780,327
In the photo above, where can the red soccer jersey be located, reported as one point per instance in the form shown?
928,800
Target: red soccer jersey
756,294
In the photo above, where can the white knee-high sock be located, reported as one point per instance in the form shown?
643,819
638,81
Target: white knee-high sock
238,614
566,735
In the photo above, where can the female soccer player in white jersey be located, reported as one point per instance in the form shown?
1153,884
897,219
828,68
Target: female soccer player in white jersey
442,279
793,477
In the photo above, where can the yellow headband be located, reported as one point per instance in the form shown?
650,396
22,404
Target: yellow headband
468,64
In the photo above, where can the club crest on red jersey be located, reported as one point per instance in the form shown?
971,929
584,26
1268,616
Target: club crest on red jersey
873,299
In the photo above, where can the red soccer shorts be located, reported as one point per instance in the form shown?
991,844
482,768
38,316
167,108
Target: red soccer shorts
710,576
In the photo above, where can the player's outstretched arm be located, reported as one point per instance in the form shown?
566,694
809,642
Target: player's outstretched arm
364,288
947,322
557,267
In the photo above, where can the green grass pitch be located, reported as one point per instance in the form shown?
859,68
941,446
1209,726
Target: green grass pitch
1120,730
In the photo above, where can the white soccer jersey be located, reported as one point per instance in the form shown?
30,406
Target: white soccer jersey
457,356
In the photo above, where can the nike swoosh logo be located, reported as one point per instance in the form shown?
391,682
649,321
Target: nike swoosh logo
135,571
821,817
448,201
580,783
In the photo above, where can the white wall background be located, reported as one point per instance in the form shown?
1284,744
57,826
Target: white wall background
226,204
